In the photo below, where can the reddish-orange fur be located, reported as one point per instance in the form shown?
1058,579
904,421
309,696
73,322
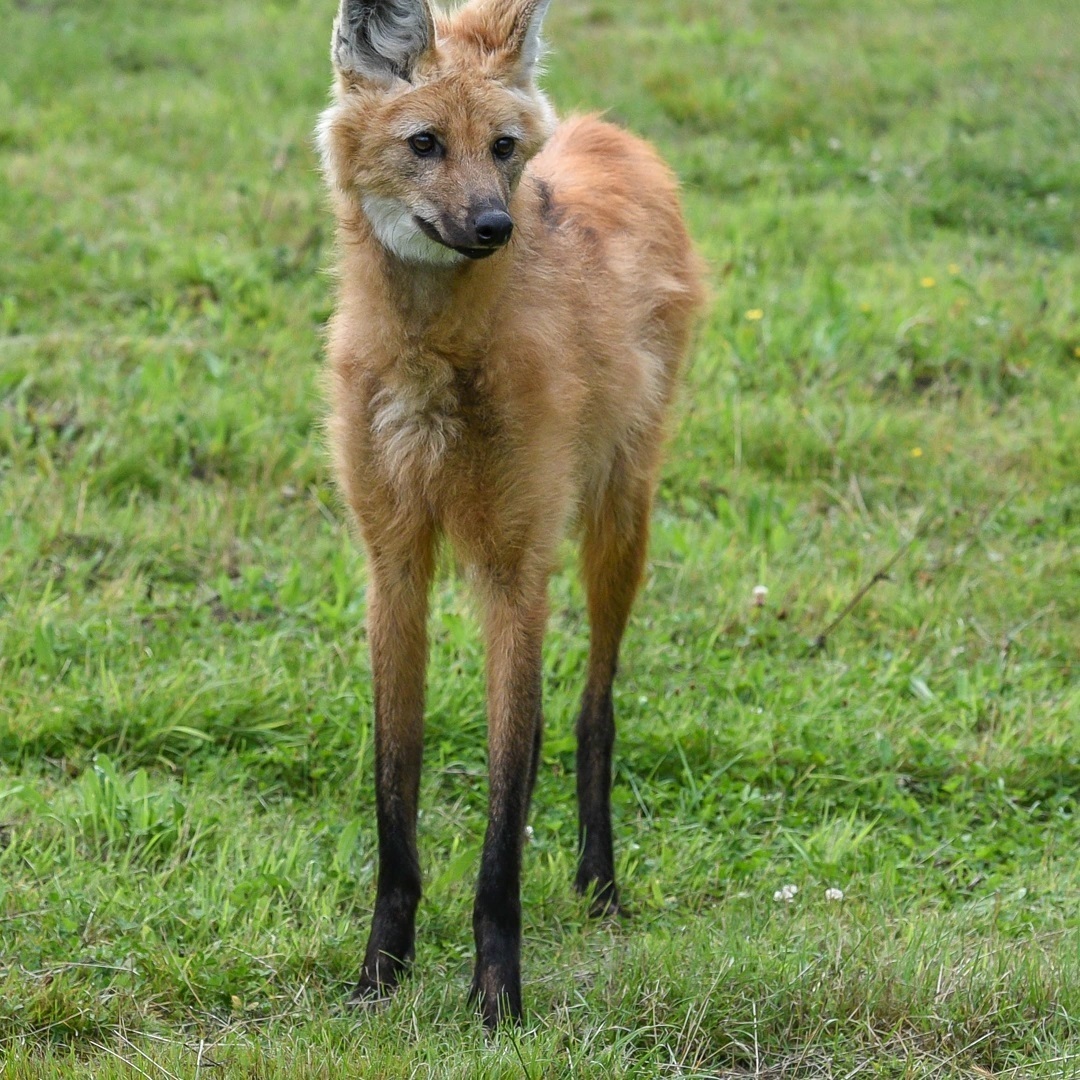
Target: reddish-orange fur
496,403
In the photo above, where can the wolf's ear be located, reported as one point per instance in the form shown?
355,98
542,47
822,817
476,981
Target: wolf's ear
381,40
523,40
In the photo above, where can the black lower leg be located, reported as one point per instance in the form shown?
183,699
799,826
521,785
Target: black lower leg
496,985
515,629
596,738
390,944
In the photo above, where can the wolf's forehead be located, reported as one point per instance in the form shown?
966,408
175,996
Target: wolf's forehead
469,107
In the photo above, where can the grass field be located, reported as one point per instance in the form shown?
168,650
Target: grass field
888,194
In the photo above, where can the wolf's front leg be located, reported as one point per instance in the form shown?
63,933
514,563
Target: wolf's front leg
400,568
515,629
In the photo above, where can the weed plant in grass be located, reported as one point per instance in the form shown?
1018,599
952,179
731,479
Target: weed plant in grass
889,199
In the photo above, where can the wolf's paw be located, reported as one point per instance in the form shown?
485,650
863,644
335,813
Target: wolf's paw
603,897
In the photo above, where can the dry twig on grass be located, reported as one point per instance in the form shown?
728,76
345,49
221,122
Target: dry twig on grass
881,574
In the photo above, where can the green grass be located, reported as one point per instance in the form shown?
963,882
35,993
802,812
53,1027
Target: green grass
186,822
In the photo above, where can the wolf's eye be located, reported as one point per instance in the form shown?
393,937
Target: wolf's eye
504,147
423,144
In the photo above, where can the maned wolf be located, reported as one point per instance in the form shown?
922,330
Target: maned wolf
514,299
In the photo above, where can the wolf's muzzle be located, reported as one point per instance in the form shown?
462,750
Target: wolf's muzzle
493,227
490,231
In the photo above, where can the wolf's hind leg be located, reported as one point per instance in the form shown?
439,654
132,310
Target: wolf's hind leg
613,560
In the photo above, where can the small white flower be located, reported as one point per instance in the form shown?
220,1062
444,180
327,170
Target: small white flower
760,593
529,835
834,894
786,893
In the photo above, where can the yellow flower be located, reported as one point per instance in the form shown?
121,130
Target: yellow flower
755,314
954,269
916,451
927,282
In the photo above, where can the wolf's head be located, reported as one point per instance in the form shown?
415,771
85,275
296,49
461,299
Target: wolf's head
433,120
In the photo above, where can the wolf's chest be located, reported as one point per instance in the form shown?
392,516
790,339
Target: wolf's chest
417,419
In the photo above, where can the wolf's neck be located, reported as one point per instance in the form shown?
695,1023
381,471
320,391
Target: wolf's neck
446,308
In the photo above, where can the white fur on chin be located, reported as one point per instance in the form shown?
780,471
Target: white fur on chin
396,229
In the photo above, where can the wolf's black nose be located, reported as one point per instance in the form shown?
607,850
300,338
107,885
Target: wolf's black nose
493,227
